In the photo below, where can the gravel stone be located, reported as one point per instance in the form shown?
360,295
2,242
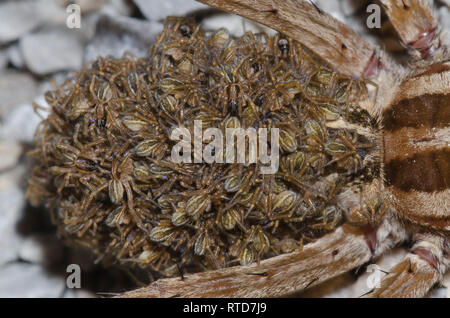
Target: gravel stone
15,88
17,18
20,123
115,35
29,281
157,10
52,50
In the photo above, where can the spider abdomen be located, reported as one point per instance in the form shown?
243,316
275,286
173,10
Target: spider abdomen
416,148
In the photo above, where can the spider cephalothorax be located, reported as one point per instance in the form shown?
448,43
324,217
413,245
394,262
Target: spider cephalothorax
367,159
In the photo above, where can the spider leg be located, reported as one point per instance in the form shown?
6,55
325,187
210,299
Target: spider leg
340,47
335,253
415,24
417,273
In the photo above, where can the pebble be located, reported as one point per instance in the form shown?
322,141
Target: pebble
3,58
15,88
157,10
78,293
350,7
29,281
20,123
446,284
51,12
12,201
10,152
17,18
444,17
52,50
446,2
116,34
15,56
117,8
88,6
31,250
235,24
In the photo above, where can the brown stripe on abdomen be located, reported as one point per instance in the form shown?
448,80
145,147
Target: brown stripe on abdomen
421,111
426,171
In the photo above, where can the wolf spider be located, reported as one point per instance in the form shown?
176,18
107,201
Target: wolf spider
412,150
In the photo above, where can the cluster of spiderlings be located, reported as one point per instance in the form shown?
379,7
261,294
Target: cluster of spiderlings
105,172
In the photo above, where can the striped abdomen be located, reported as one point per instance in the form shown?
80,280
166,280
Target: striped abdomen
417,148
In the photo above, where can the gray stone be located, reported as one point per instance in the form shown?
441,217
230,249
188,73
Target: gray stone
236,25
437,292
17,18
52,50
446,284
446,2
15,56
117,8
3,58
115,35
20,123
444,17
29,281
88,6
157,10
9,154
32,250
15,88
350,7
78,293
52,12
12,202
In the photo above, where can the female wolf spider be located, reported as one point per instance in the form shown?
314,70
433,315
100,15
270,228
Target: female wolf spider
411,105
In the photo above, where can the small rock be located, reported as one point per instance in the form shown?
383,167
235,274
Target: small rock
157,10
20,123
12,201
15,56
15,88
88,6
350,7
31,250
118,8
437,292
9,154
48,83
78,293
116,34
235,24
446,284
29,281
444,17
52,50
3,58
52,12
17,18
